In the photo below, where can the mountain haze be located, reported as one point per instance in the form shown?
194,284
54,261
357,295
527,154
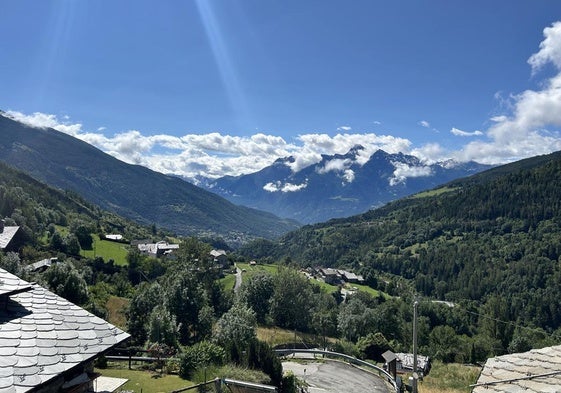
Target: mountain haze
132,191
337,186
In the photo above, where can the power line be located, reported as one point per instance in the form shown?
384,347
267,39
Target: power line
514,324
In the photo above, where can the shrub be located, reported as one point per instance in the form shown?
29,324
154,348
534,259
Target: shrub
199,355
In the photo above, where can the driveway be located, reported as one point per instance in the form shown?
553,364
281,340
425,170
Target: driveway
336,377
238,279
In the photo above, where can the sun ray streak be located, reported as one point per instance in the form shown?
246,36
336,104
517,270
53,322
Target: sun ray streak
223,60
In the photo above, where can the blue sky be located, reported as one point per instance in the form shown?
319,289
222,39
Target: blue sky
225,87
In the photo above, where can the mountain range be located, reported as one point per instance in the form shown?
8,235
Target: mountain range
131,191
338,185
491,237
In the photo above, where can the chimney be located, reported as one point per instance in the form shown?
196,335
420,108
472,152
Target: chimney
1,226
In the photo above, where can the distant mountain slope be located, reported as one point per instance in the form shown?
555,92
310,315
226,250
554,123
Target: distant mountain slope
34,206
496,235
129,190
337,186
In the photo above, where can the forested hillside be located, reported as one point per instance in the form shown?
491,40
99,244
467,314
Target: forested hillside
37,209
498,264
132,191
493,239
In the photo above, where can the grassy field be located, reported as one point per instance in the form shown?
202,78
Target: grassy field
145,381
431,193
273,269
449,378
107,250
275,336
228,282
116,307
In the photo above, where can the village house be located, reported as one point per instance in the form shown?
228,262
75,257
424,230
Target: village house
42,265
351,277
220,258
48,344
330,276
158,249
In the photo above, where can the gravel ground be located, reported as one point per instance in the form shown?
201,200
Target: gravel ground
333,376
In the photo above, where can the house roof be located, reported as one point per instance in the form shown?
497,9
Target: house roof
538,370
43,335
217,253
47,262
7,235
407,359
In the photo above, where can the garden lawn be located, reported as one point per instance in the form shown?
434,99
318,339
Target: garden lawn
145,381
107,250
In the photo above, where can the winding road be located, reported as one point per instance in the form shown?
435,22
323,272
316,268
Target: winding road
330,376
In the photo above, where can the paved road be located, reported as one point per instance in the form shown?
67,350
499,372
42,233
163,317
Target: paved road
336,377
238,279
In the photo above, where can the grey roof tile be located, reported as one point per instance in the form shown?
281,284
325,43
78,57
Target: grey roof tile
43,335
8,361
538,370
27,351
7,351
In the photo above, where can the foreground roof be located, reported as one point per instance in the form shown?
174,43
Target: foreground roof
43,335
538,370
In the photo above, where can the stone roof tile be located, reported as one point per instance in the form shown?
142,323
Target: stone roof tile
42,335
538,370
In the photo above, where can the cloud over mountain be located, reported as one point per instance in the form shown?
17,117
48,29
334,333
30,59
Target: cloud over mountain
528,126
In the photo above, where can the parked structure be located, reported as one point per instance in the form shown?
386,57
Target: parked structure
48,344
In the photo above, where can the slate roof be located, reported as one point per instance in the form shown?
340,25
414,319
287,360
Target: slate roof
538,370
6,236
43,335
406,362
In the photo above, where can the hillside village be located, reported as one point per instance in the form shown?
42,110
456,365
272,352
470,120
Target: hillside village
479,256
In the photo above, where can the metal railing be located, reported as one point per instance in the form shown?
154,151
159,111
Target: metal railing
350,359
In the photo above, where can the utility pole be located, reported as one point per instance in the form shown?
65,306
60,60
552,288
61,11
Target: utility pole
415,307
415,376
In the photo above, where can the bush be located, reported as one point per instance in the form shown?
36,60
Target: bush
200,355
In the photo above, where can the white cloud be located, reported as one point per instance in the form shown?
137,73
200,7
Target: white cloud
431,153
287,187
43,120
349,176
376,122
403,171
335,165
458,132
526,124
340,166
532,125
498,118
550,50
